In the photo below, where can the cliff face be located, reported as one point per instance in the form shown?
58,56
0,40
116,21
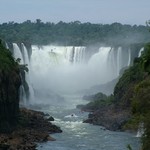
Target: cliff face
9,91
130,104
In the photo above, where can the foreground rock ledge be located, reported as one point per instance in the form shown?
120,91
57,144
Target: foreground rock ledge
33,127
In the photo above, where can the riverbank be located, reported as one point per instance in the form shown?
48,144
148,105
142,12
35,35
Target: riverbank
105,112
109,118
33,127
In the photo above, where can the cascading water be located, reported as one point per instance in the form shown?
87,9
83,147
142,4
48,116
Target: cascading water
119,60
140,52
17,53
140,131
24,60
129,60
59,67
113,62
27,74
64,69
25,55
79,54
23,96
97,67
6,45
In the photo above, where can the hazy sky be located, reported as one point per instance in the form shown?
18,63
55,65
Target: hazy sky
95,11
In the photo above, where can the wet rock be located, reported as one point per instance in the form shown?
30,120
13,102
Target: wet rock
109,118
33,127
50,119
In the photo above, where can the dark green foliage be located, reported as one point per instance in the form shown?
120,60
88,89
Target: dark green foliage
134,88
141,109
124,89
146,136
129,147
95,96
99,101
145,59
6,60
9,90
131,94
72,33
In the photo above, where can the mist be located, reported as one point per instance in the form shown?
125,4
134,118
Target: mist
55,70
63,70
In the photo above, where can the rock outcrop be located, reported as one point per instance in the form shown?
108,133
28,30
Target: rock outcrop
109,118
33,127
9,91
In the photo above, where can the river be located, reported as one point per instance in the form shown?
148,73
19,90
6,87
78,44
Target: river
81,136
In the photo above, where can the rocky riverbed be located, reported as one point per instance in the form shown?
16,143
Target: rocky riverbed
33,127
109,118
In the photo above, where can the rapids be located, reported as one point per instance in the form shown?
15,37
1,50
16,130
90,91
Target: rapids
81,136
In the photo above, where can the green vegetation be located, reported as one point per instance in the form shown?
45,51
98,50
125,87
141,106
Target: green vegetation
73,33
6,60
98,101
129,147
97,104
131,94
9,90
95,96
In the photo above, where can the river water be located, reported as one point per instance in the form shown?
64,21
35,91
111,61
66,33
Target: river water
81,136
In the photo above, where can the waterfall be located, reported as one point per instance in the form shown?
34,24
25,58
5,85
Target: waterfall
58,66
140,131
112,62
23,97
140,52
6,45
129,58
79,53
17,53
98,66
119,60
23,55
28,80
64,68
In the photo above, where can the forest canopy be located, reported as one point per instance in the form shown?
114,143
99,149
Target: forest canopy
73,33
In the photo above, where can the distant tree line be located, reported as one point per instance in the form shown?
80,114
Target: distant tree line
73,33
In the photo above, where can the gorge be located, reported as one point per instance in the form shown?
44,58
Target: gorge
56,77
70,69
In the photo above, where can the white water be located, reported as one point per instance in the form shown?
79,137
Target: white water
28,74
140,52
23,55
119,60
6,45
17,53
98,71
81,136
23,98
140,131
65,70
129,60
